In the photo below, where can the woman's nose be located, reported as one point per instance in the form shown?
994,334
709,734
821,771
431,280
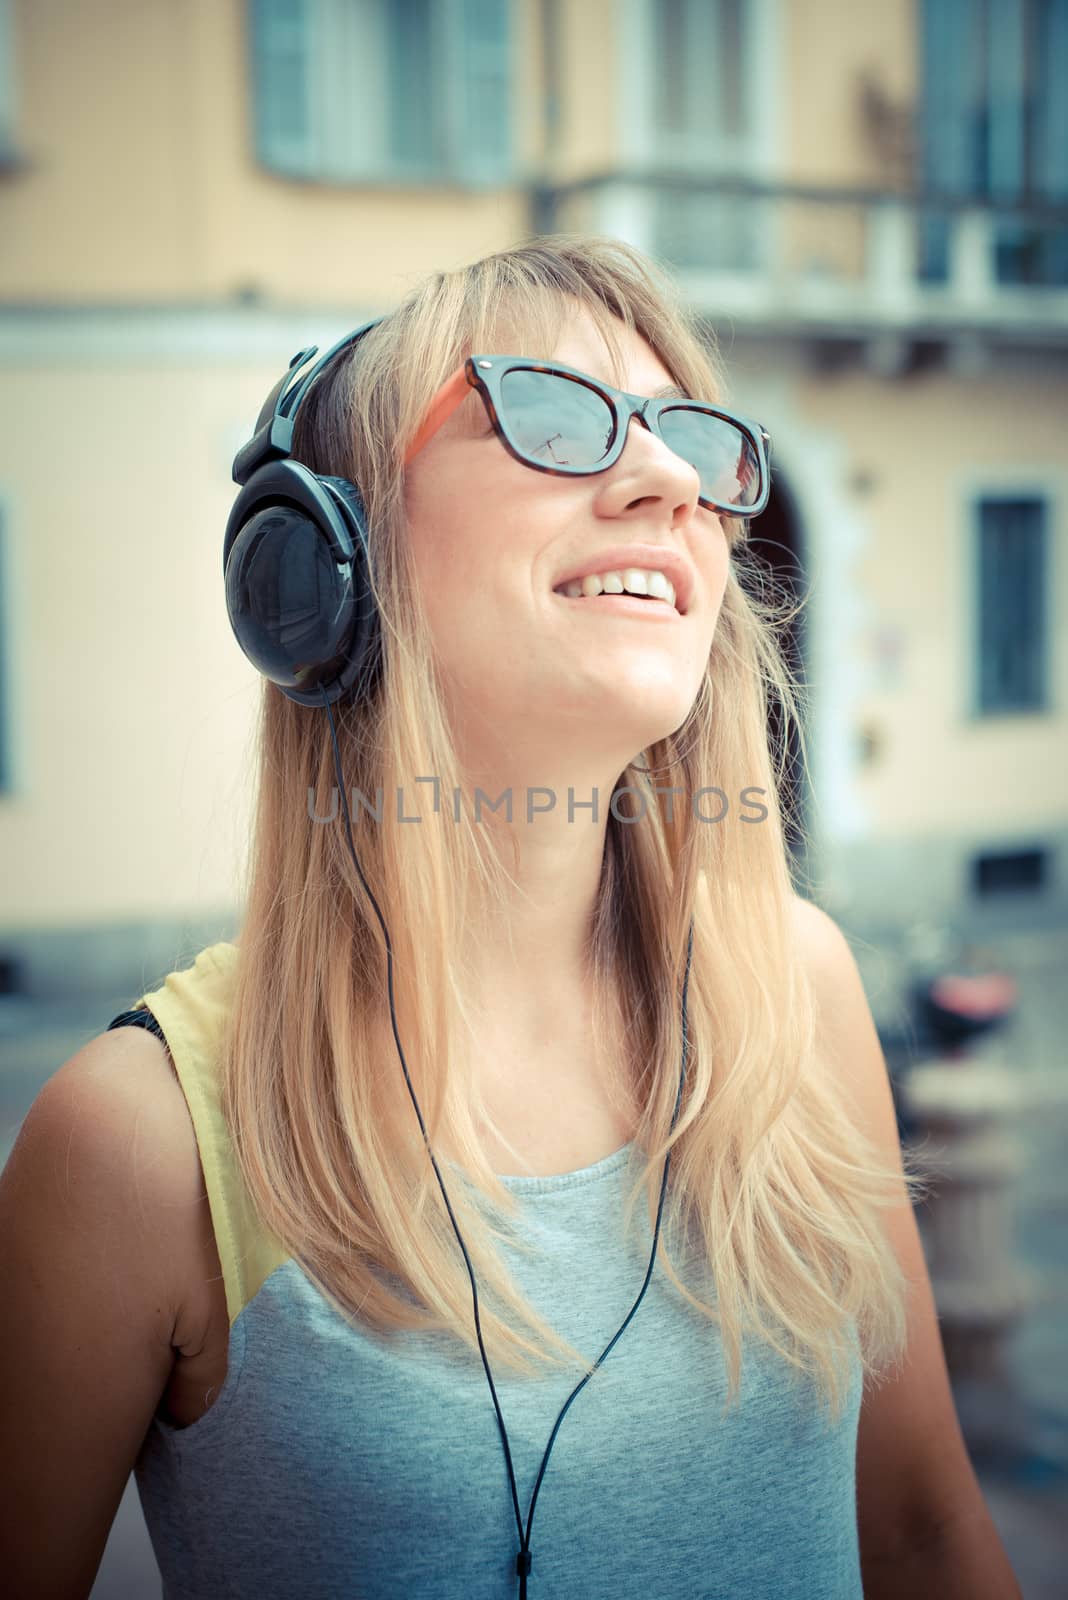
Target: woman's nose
650,459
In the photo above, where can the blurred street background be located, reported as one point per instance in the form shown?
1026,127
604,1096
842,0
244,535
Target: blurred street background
867,205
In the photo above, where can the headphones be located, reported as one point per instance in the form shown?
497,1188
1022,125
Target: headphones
296,557
296,562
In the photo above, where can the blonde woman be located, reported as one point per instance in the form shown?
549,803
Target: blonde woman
344,1254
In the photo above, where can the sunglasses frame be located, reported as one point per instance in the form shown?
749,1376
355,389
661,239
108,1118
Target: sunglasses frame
486,373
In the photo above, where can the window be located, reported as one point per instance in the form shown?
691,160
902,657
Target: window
387,90
1011,587
995,126
1005,872
706,119
699,98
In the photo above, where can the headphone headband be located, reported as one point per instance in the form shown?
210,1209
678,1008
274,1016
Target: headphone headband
273,438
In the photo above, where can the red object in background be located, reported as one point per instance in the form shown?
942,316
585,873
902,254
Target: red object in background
989,994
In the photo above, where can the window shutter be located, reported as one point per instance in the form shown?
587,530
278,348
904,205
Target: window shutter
477,89
281,56
1051,102
414,93
345,89
1049,129
7,84
951,101
706,123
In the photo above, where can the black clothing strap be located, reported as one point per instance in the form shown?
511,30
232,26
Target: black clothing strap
139,1017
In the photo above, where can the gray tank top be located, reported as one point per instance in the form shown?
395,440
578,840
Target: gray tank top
336,1462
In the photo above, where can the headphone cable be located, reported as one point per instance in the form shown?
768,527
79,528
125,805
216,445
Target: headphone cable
524,1559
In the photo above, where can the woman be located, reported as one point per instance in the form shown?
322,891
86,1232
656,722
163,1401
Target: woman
607,987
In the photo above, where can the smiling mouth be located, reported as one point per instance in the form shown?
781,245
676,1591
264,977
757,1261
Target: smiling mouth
636,604
649,586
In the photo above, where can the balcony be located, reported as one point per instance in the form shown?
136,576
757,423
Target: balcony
888,268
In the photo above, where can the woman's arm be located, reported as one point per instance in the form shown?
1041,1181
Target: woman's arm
923,1523
98,1207
964,1560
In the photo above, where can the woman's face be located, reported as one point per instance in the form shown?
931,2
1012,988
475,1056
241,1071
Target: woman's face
574,683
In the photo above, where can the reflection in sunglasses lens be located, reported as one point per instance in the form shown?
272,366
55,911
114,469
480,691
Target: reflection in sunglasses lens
722,454
558,421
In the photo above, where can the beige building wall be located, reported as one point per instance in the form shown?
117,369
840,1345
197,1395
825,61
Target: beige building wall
142,182
135,709
913,472
829,47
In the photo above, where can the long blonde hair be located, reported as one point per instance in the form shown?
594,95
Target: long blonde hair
780,1187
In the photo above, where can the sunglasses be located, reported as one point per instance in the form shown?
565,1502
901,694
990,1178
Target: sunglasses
556,419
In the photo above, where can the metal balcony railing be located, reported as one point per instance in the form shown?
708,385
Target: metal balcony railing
835,261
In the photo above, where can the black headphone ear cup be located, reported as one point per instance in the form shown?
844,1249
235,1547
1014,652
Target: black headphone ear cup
292,607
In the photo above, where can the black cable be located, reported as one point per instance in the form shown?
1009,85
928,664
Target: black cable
525,1558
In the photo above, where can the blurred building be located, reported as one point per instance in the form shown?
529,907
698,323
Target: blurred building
867,204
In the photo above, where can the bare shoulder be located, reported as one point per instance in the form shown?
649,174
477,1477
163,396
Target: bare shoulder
820,941
99,1218
846,1030
114,1125
828,959
127,1073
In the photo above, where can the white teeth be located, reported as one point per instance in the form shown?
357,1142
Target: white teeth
631,580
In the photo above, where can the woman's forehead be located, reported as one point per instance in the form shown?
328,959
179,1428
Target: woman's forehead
567,331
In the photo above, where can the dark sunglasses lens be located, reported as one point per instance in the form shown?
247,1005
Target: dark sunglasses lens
556,420
723,455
